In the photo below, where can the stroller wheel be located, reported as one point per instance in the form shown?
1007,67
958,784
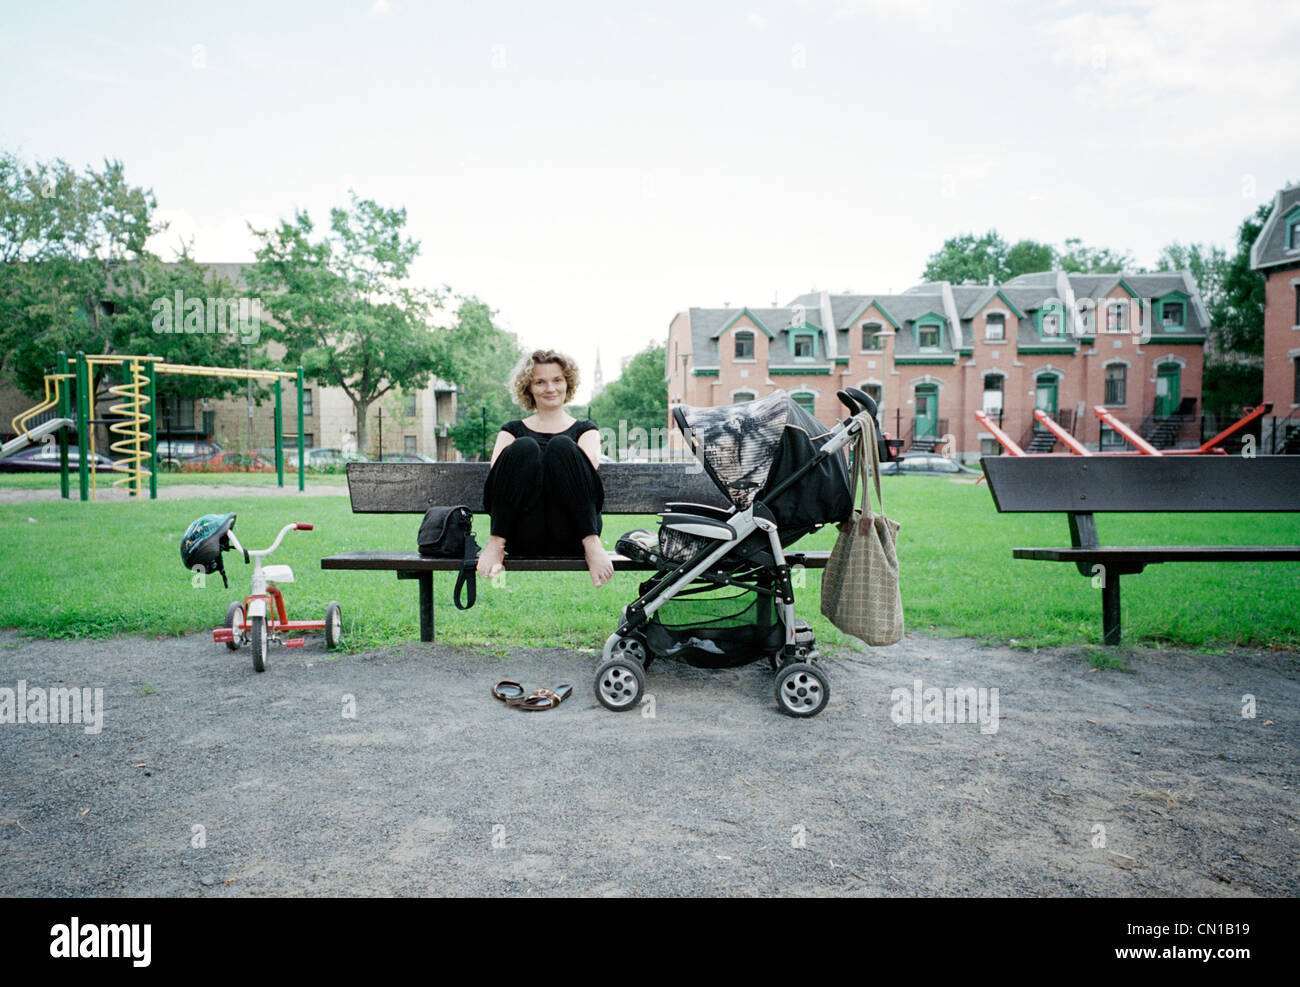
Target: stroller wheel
619,684
802,689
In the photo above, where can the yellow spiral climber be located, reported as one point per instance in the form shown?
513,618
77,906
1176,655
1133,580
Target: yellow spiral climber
133,446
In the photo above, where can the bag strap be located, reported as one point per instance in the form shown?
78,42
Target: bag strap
866,457
468,575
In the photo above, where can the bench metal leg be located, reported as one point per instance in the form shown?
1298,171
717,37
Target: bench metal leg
426,602
1110,610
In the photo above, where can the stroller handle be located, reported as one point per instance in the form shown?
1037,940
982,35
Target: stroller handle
848,402
864,399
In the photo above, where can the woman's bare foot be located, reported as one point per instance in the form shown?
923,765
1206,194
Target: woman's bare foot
598,564
492,558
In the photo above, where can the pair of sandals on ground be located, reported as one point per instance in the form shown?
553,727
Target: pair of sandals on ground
514,694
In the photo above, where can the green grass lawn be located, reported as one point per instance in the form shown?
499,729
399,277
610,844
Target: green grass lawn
99,569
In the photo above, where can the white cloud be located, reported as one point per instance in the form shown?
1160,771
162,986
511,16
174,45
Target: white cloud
225,240
380,7
1205,73
756,20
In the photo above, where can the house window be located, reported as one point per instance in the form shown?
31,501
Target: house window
990,447
308,440
1297,306
803,348
1110,439
876,392
1293,234
805,401
995,326
1295,395
744,346
177,413
873,338
306,400
1171,315
1115,319
740,397
928,337
409,444
410,405
1051,324
1116,384
993,394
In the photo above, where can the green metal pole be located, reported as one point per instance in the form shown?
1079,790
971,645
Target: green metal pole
153,432
279,438
302,460
83,424
65,411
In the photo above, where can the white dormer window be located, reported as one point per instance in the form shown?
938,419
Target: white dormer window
803,348
928,337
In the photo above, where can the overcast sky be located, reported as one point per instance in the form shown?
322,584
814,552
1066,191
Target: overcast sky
591,169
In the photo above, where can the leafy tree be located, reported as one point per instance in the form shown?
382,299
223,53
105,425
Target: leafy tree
638,397
971,259
968,259
341,305
1078,259
75,275
1239,320
1233,293
482,358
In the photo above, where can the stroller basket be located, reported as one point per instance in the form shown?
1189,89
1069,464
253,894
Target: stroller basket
712,628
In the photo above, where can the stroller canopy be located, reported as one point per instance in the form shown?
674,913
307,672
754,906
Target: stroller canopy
751,447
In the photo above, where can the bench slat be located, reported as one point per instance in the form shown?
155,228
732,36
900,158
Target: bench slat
412,488
1164,553
415,562
1050,484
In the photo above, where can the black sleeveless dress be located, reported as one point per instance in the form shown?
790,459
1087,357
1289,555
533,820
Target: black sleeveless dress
542,493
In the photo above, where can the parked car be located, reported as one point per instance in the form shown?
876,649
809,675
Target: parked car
324,458
406,457
228,462
925,464
173,452
45,458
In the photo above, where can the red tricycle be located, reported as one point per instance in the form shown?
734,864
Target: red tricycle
255,621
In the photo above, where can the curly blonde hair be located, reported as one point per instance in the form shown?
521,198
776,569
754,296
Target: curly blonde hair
522,380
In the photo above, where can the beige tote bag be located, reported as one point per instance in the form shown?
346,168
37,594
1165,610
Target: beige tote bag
860,592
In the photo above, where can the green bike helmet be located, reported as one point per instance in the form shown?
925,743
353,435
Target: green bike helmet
204,541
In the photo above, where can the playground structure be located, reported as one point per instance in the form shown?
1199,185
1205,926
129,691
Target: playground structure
1211,447
133,424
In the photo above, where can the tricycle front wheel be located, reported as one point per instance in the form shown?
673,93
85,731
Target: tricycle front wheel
259,639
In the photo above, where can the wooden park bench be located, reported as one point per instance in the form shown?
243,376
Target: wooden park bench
412,488
1082,486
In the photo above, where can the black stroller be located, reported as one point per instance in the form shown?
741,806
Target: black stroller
723,595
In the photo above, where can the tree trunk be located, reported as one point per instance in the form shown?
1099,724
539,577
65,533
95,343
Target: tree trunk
361,408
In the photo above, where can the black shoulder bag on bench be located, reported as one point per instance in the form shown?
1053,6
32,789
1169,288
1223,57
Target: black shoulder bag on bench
446,532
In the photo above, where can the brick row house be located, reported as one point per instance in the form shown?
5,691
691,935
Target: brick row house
1276,255
937,353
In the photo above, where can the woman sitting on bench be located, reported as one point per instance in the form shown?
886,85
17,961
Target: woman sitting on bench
543,492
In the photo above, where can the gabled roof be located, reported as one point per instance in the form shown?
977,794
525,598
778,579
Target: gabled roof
1269,248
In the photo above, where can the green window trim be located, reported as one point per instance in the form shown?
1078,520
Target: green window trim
841,361
792,371
744,313
934,361
1046,349
1291,223
705,372
1059,312
1158,311
813,333
928,321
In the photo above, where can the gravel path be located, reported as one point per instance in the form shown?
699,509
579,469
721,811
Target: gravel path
433,787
